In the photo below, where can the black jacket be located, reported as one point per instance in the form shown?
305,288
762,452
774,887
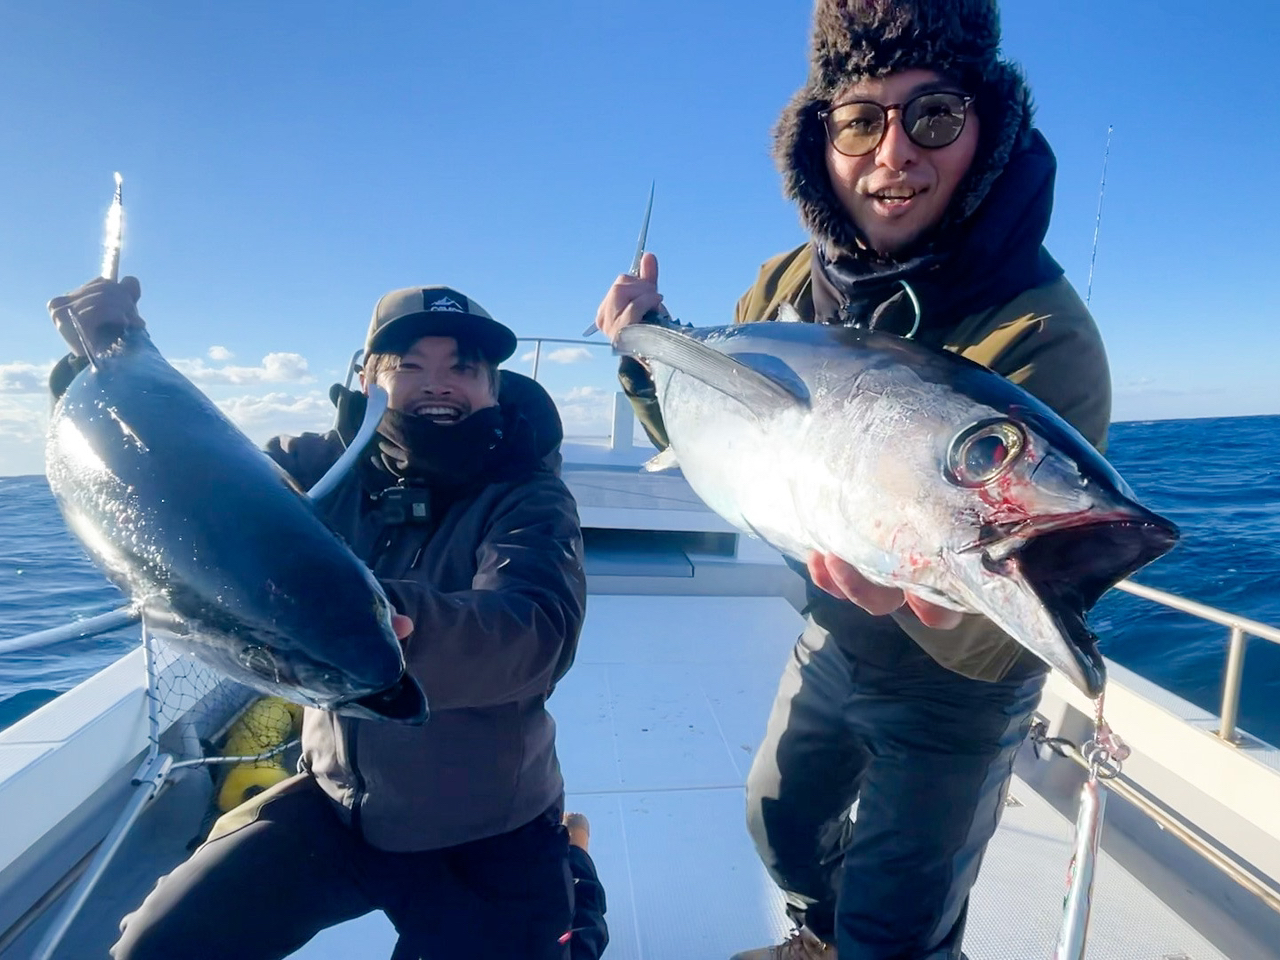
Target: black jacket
493,580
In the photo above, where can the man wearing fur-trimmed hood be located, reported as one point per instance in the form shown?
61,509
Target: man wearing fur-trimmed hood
926,190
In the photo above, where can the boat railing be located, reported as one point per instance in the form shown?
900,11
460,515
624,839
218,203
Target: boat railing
537,348
75,630
158,765
621,427
1241,629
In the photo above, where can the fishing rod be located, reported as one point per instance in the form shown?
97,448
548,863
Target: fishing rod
114,234
113,238
1097,226
639,255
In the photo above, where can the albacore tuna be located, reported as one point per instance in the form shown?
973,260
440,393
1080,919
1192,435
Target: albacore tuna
216,543
921,469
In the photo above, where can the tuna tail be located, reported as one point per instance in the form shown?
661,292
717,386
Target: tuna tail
375,407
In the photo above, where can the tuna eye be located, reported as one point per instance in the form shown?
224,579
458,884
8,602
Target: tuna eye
983,451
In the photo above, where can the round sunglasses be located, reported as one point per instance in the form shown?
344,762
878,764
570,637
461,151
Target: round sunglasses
930,120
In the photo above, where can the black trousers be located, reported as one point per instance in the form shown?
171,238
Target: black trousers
590,933
266,887
926,754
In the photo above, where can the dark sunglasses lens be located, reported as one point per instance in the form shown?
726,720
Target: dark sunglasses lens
934,119
855,128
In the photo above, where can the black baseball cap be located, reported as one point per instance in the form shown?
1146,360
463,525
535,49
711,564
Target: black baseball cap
413,312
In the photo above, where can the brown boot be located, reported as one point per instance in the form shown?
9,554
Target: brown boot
801,945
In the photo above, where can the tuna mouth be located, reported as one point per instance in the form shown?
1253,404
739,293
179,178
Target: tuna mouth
1071,562
402,702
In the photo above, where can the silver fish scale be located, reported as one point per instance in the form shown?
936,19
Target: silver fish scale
858,473
851,449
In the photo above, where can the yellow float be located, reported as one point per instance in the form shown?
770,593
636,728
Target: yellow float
266,724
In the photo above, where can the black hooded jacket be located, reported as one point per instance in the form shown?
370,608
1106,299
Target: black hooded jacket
491,574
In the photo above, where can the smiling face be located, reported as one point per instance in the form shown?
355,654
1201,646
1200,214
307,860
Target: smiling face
434,379
899,191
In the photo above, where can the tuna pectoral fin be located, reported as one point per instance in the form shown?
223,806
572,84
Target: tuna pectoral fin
666,460
759,393
403,702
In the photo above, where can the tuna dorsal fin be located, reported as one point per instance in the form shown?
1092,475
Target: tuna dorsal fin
759,393
666,460
787,313
374,408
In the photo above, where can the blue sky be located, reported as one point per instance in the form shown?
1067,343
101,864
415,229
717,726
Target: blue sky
287,163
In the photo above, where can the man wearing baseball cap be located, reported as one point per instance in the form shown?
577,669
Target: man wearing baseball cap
453,828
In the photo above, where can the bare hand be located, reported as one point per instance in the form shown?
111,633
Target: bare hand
402,626
842,581
104,309
630,298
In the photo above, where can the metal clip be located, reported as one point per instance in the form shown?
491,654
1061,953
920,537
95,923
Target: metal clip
1105,752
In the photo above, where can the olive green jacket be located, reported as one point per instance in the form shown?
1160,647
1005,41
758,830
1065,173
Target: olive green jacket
1044,340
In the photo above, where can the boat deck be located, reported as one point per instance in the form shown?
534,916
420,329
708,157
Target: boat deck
658,722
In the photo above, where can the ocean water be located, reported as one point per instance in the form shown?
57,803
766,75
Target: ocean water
1218,479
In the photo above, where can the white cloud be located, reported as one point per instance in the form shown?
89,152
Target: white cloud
569,355
562,355
250,412
22,377
24,419
275,368
220,354
586,411
585,395
1137,385
1149,388
23,423
264,416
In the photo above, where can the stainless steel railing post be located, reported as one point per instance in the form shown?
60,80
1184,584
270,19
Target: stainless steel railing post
1231,680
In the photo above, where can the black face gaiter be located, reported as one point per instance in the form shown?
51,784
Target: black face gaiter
418,449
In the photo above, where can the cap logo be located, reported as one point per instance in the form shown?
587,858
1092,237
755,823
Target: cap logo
446,303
